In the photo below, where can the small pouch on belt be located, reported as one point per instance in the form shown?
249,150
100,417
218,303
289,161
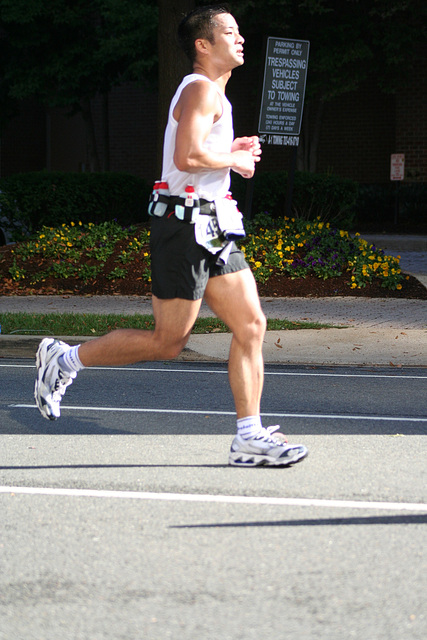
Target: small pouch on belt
229,218
158,202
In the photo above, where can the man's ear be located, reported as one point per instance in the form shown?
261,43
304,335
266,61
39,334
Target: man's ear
201,46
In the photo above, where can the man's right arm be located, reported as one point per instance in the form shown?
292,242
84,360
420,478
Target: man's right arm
198,107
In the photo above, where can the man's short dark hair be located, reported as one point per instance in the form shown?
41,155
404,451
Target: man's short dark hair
199,23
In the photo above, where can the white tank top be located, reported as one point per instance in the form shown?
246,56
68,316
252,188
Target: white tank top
207,184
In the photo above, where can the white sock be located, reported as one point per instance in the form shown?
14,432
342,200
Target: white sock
249,427
70,361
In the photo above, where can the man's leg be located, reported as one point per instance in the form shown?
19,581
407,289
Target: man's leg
234,299
174,320
57,363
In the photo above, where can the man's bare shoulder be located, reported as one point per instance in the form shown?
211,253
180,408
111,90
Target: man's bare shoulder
201,95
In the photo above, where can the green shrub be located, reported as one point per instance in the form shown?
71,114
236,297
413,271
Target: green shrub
30,201
376,206
324,196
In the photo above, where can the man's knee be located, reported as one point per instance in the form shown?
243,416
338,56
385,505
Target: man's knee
260,325
253,329
169,347
171,351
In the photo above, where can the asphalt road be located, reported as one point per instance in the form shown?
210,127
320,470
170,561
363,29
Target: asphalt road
123,520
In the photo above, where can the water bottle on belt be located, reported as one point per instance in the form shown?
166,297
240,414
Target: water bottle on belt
189,207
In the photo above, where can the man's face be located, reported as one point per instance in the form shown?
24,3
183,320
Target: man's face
227,49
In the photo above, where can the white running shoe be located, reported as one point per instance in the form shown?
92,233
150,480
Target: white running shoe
264,450
51,382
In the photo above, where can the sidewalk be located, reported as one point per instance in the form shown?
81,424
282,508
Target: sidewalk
378,331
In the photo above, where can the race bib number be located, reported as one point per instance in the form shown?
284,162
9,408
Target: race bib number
208,234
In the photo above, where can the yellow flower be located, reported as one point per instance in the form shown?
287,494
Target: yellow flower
257,264
399,286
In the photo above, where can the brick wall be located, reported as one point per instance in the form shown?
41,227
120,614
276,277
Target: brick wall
23,143
411,125
133,130
359,132
358,135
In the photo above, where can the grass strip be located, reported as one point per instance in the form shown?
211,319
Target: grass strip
91,324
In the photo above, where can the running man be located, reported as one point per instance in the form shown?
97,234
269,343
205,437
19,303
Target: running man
193,252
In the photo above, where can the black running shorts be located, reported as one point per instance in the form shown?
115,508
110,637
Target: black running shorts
180,268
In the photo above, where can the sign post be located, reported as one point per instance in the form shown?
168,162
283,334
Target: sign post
285,75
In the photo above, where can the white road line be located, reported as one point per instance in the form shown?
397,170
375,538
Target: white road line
269,373
227,413
224,499
225,372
